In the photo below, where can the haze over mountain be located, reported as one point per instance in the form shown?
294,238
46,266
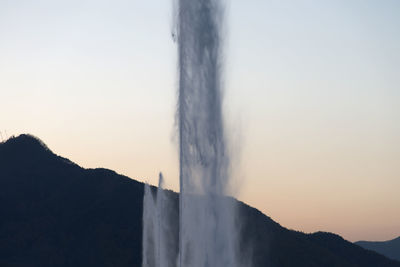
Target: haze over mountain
390,248
55,213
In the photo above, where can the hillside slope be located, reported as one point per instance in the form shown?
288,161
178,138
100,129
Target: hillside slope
55,213
390,249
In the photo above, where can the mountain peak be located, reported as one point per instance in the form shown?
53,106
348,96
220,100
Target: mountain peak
27,149
27,140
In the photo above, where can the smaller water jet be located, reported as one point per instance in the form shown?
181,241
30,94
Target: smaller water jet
159,236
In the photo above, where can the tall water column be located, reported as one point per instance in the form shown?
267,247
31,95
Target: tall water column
207,237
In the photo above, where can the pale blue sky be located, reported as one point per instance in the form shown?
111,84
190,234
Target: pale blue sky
312,99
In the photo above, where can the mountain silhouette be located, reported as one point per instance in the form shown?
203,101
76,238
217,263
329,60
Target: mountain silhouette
390,249
55,213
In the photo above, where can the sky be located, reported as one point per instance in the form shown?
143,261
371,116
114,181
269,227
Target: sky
311,100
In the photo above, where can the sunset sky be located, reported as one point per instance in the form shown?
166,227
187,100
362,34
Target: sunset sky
312,100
